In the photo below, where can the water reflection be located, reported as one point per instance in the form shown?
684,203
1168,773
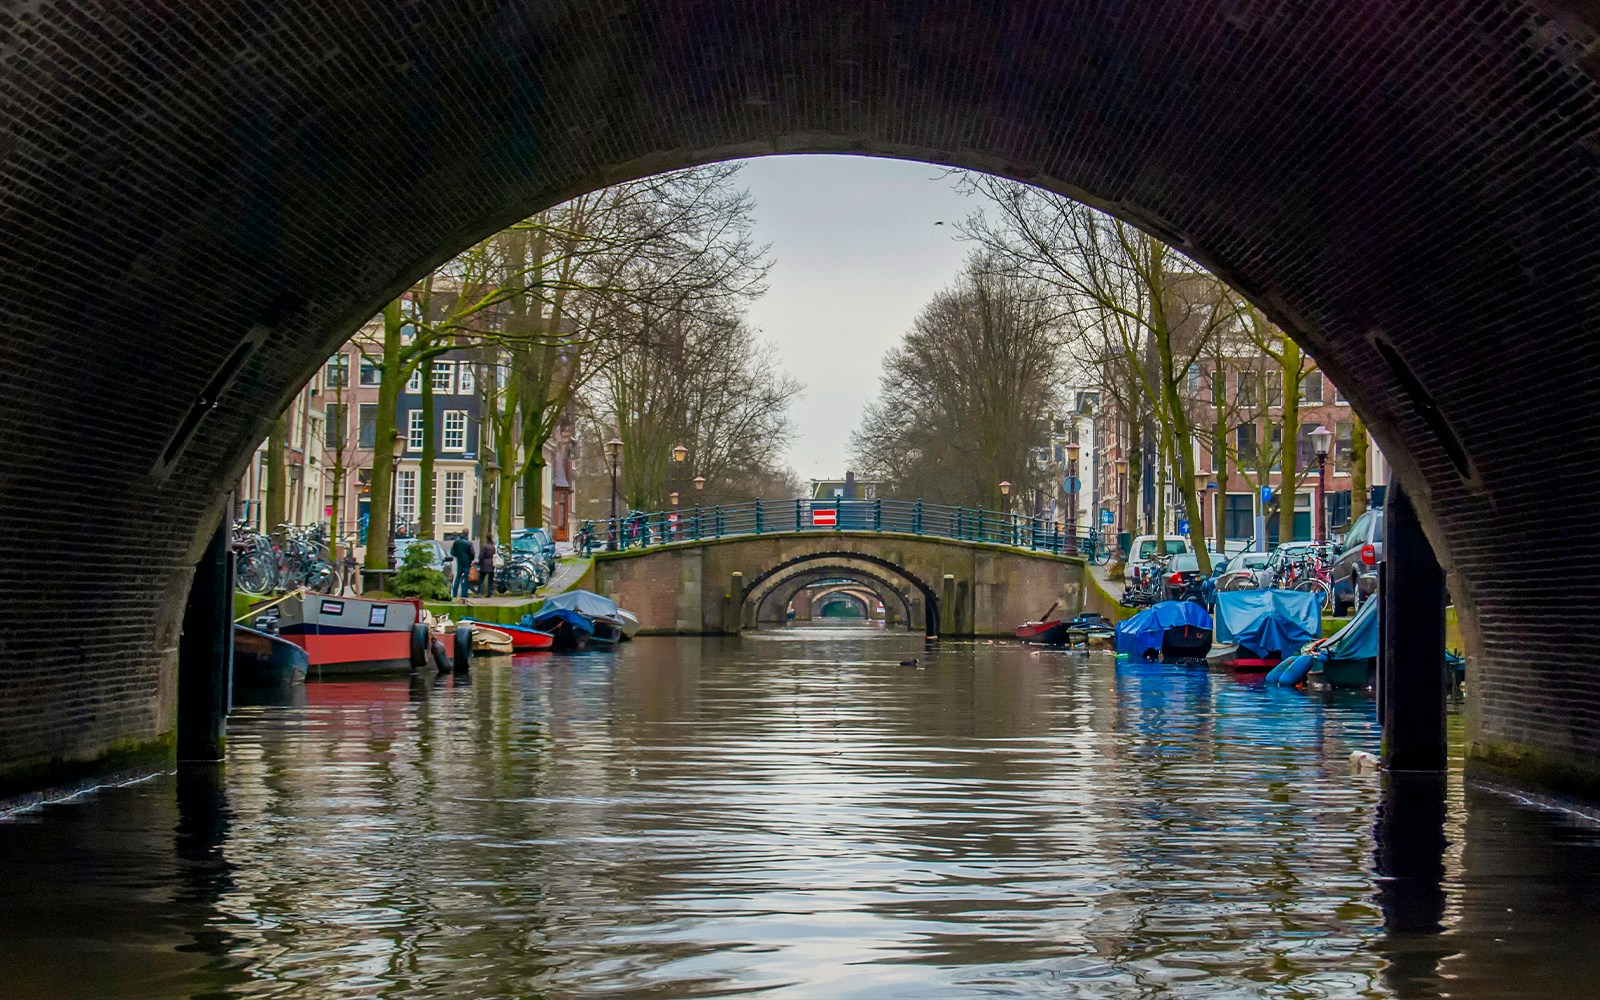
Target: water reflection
795,813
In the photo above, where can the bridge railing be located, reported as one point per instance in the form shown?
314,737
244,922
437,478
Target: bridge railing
913,517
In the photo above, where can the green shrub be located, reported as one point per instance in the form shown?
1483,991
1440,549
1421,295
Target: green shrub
418,578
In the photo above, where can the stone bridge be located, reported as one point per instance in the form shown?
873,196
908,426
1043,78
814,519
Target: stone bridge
947,587
199,207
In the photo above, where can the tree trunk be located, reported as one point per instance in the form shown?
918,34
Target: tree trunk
1290,476
1358,467
1131,518
277,474
386,432
1219,453
425,471
533,491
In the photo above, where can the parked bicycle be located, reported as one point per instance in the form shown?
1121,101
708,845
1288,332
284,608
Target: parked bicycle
1147,582
520,573
262,567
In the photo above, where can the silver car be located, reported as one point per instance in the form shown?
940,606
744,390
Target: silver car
439,556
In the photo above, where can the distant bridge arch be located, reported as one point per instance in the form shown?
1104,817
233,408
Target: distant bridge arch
949,586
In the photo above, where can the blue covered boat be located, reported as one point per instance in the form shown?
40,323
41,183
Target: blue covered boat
604,616
1348,657
1265,626
569,629
1171,630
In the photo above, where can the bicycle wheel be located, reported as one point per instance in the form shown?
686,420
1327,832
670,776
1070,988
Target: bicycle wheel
251,574
321,577
518,580
1102,555
1311,585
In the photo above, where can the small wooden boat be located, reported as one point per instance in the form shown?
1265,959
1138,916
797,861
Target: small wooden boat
521,638
1044,632
607,631
348,635
261,660
604,617
1232,657
1185,642
630,623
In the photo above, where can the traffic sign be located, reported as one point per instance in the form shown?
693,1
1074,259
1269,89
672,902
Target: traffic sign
1070,484
1266,494
824,518
1107,518
1183,526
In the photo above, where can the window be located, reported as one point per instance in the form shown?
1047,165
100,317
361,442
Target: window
444,376
1339,397
414,383
1238,516
1194,380
335,433
1342,433
406,494
455,431
1247,389
1275,388
367,429
337,374
414,430
1246,446
1306,452
466,380
371,373
1311,388
455,495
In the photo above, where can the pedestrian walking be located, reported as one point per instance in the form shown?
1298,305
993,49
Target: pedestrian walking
486,566
462,552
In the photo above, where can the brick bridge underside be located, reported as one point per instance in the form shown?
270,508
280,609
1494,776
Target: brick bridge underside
199,205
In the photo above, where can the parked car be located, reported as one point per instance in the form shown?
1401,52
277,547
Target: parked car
1242,572
537,543
1355,569
439,554
1145,546
1184,580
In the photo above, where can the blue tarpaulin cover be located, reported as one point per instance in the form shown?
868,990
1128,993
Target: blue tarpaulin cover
1142,633
1359,639
549,618
584,602
1269,622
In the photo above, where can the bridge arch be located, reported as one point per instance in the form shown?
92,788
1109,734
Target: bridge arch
899,605
773,588
1417,222
868,597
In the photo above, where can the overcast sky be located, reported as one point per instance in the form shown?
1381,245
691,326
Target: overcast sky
856,253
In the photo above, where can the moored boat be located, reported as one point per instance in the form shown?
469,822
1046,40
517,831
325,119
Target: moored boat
1265,626
569,630
606,625
1170,630
522,638
1051,633
348,635
629,622
261,660
1349,657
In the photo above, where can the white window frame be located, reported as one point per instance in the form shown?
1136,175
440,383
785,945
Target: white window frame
1305,382
444,377
415,427
457,514
406,493
466,379
414,383
336,373
374,365
444,438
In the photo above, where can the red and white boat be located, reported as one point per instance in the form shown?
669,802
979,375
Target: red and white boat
349,635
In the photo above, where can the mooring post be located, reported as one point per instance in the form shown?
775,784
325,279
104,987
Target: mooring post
734,619
947,606
205,653
1411,657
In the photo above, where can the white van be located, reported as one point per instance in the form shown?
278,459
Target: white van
1145,546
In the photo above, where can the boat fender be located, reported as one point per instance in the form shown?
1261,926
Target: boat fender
463,656
441,656
1295,673
1276,673
419,646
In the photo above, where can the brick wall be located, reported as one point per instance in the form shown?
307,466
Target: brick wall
168,185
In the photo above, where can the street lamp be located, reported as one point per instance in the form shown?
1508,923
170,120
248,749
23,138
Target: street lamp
1122,491
1072,497
673,496
679,453
699,482
1322,442
613,452
398,450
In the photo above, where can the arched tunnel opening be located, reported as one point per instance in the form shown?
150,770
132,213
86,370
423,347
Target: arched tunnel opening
256,203
795,590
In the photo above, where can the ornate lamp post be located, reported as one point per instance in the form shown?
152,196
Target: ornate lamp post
613,453
398,452
1322,442
1005,503
1122,494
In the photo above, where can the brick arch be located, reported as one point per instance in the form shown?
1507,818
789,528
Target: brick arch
777,593
199,208
792,574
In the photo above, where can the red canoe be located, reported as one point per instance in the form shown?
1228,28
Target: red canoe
1051,633
523,640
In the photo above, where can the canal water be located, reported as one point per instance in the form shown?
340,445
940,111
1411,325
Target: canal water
796,814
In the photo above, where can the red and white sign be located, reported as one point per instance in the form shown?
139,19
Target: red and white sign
824,518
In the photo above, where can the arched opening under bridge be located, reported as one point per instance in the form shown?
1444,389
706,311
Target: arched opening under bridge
189,241
908,600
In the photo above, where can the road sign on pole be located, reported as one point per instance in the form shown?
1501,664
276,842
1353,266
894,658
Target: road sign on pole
1107,518
821,518
1183,526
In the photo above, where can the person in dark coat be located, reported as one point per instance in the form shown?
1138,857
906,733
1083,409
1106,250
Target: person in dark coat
462,552
486,566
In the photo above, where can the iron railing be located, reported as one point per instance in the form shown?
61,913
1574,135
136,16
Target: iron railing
912,517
